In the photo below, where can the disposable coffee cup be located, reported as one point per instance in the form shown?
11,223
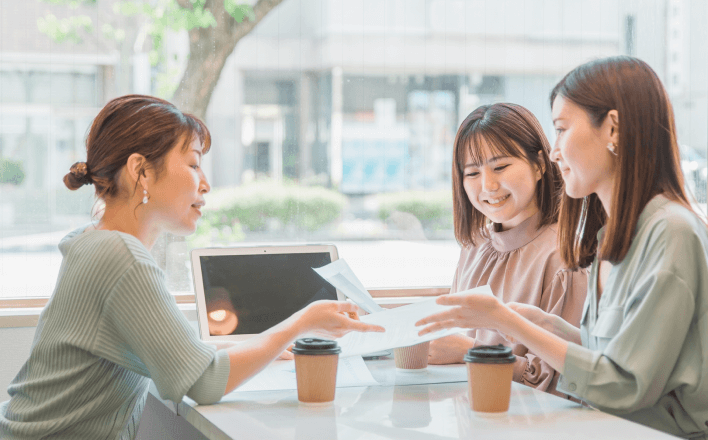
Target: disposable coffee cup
316,370
412,358
490,369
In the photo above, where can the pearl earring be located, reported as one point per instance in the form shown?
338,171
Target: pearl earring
612,146
145,196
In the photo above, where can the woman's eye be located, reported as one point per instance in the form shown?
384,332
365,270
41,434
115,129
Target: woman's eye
559,131
500,168
474,174
196,167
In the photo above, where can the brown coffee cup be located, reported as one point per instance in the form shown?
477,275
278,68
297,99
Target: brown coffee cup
490,369
414,357
316,369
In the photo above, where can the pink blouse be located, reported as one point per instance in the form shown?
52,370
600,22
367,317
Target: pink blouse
523,265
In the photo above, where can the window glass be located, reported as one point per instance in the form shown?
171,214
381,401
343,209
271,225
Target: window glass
333,121
12,87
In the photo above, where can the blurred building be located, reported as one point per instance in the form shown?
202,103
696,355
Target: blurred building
368,95
49,94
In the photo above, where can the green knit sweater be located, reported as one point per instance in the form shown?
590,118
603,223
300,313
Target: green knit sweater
109,327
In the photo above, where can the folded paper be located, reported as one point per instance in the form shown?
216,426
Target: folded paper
340,275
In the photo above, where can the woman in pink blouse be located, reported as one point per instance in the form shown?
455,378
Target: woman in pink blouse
506,195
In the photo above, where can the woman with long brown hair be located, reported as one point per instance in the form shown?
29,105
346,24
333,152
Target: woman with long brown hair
641,350
506,194
111,323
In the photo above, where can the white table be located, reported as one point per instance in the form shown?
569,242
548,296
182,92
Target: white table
411,412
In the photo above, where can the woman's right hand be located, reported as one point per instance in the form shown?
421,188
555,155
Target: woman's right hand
331,319
533,314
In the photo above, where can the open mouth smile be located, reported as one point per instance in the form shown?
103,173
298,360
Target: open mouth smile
496,202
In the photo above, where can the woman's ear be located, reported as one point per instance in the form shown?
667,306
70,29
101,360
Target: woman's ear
612,122
135,168
541,167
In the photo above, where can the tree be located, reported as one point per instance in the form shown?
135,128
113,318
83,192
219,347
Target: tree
214,28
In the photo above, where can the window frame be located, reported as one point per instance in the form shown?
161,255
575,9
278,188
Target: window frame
189,298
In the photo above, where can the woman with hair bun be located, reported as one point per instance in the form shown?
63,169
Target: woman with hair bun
111,324
641,351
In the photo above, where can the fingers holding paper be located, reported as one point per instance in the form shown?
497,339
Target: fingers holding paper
471,310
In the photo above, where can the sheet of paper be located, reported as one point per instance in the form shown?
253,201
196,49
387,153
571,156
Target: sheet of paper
400,327
341,276
280,375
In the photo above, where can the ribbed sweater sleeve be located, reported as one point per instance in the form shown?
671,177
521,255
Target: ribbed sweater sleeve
142,329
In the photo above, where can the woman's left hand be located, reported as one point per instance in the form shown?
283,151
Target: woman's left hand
472,310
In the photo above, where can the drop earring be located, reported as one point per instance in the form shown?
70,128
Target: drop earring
612,147
145,196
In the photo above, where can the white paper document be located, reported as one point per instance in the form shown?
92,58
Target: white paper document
398,322
400,327
341,276
280,375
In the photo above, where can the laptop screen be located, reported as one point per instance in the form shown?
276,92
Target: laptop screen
248,294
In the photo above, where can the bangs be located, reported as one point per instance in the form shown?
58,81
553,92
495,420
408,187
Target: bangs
498,147
195,129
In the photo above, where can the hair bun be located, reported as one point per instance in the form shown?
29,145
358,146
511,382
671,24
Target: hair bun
78,176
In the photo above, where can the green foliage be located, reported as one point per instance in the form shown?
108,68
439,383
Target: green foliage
432,208
65,29
111,33
252,206
164,15
239,11
167,14
158,15
11,171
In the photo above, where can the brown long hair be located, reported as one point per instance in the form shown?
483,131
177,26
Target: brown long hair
648,160
511,130
134,124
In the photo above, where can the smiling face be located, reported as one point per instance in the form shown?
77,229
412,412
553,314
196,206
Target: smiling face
501,187
177,194
580,150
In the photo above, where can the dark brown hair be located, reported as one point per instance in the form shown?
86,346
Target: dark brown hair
647,158
510,130
131,124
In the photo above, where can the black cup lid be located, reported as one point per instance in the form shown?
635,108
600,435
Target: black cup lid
490,354
316,346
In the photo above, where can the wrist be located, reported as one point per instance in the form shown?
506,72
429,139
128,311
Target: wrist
292,327
553,323
300,324
508,321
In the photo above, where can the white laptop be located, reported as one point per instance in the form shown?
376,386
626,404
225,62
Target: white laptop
243,291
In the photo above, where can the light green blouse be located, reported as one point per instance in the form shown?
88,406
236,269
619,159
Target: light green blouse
645,345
